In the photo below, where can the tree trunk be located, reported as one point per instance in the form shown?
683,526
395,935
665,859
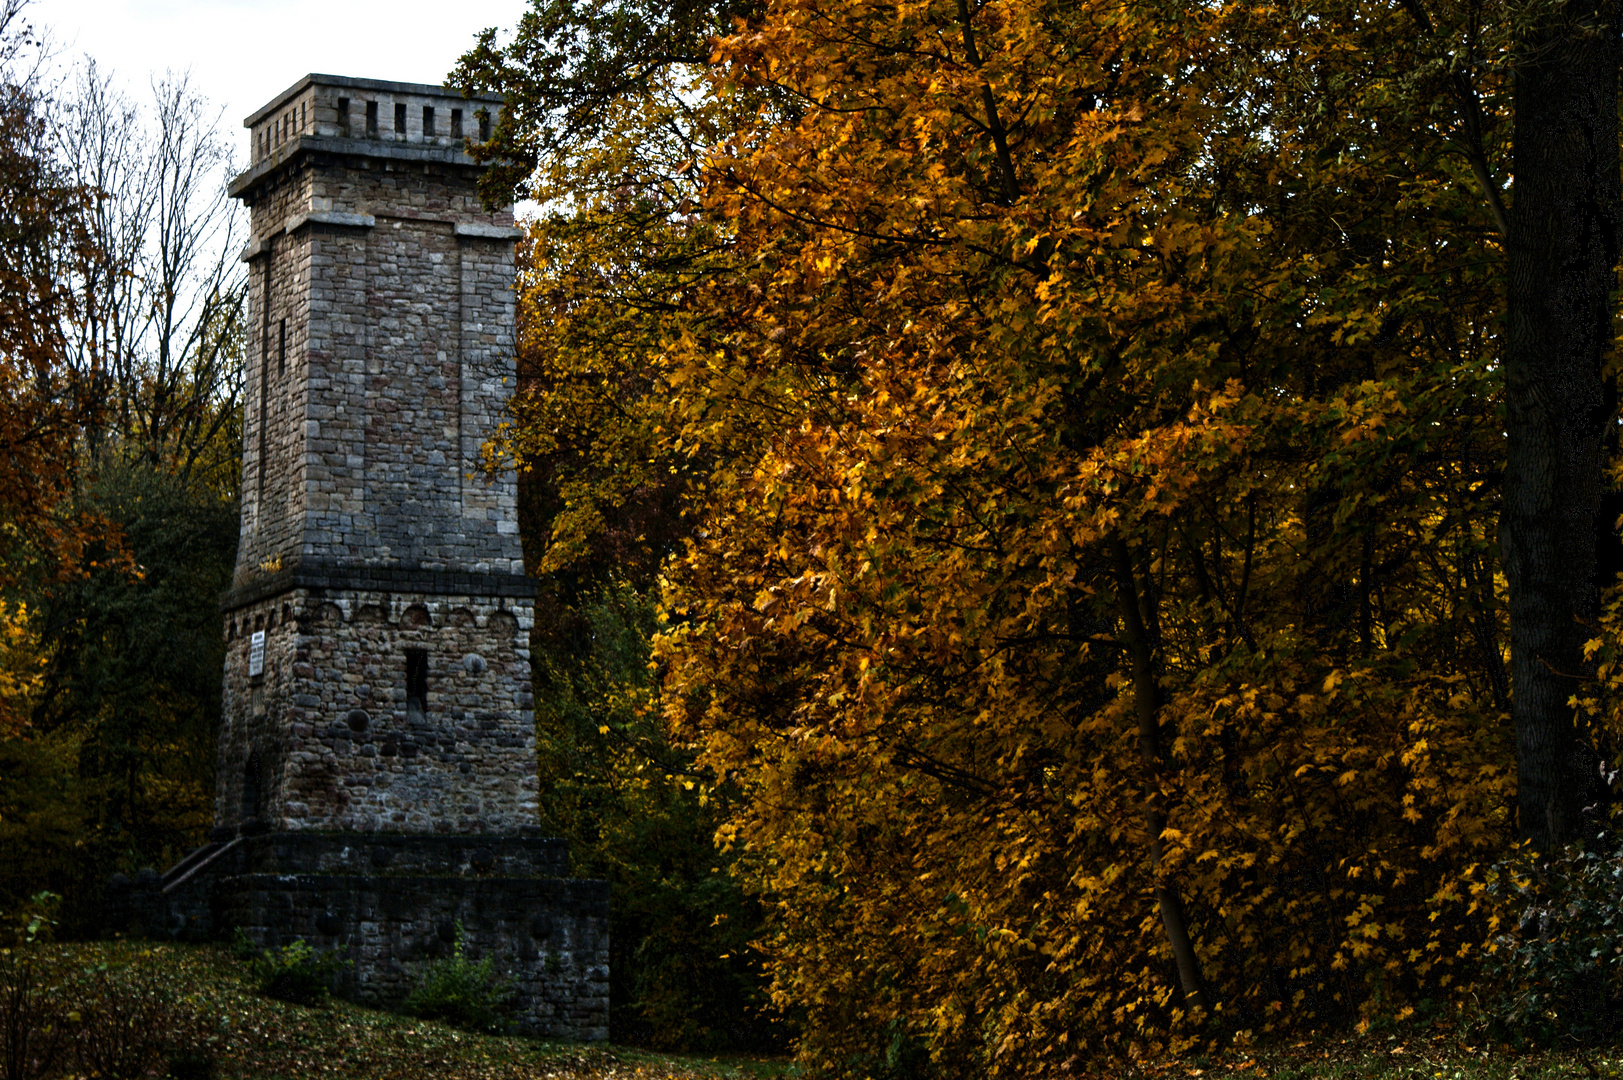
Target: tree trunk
1147,705
1559,403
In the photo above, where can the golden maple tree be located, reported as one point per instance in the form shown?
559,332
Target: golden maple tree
1091,428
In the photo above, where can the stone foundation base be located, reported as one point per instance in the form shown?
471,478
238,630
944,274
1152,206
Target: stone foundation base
391,903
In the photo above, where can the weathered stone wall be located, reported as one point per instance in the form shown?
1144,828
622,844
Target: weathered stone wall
551,937
276,389
389,903
328,729
381,360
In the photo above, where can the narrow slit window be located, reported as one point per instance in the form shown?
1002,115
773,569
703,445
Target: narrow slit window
456,123
416,683
484,125
428,121
400,119
281,348
371,118
343,115
264,372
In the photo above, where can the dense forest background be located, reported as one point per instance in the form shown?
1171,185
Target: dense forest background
121,430
123,340
1065,529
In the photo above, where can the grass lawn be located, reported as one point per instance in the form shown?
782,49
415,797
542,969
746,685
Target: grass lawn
273,1040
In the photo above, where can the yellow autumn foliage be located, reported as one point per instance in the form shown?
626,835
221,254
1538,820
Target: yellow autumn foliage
1086,426
22,668
1106,558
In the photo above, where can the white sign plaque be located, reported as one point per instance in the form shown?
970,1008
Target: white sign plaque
256,654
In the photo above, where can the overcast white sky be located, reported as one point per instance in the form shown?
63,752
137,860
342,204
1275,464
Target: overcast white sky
242,53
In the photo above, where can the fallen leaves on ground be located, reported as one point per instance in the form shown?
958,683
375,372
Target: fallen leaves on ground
274,1040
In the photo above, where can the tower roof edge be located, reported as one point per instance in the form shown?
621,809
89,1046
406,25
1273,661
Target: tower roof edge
384,86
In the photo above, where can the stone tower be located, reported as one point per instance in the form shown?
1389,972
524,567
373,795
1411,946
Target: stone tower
378,627
376,782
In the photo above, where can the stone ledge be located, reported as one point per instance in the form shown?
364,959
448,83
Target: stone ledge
329,217
586,897
340,146
377,579
488,232
389,854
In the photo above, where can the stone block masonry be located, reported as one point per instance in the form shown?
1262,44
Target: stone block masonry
329,736
377,691
392,902
381,308
550,937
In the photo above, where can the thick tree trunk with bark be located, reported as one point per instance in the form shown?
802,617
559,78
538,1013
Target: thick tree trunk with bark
1563,248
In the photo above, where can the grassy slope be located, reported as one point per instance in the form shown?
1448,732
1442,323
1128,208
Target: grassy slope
273,1040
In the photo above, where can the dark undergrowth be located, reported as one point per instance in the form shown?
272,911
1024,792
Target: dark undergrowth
260,1037
266,1039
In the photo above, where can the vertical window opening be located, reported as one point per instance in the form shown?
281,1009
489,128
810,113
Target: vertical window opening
264,370
371,118
428,121
281,348
416,683
400,119
456,123
343,115
484,125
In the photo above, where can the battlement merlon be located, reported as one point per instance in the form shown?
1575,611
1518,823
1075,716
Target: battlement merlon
331,115
385,116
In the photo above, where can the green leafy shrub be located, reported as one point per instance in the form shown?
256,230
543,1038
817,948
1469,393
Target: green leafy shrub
461,991
1556,958
299,972
683,974
243,947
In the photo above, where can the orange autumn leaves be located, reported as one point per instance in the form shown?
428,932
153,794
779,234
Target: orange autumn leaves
990,294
